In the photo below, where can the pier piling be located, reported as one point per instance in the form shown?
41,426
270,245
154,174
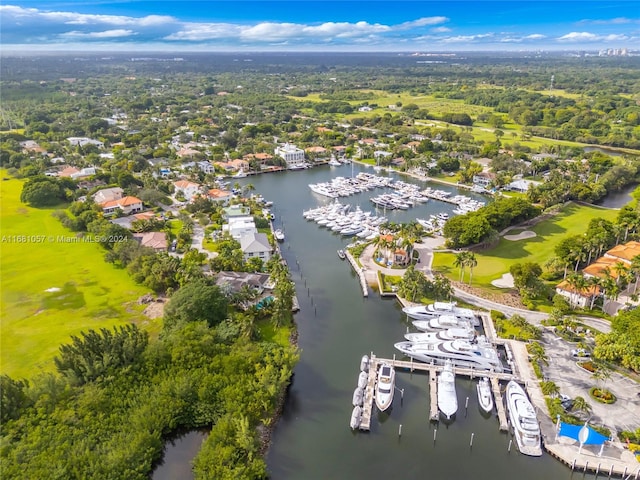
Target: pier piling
435,433
400,430
509,447
471,441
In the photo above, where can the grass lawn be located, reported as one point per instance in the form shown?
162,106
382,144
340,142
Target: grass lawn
571,220
92,293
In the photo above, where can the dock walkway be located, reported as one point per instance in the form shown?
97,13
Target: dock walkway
360,272
502,414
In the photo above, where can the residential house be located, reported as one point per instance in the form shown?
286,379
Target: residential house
625,252
126,205
206,167
260,157
82,141
108,194
127,222
239,226
291,154
365,108
187,188
234,282
155,240
218,195
237,210
186,152
255,245
521,185
578,297
484,179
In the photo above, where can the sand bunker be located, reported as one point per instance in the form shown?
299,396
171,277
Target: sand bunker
521,236
506,281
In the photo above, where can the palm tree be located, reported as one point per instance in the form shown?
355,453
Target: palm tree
461,262
578,284
635,270
581,405
621,271
538,355
549,388
471,262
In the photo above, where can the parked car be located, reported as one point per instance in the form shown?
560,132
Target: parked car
580,353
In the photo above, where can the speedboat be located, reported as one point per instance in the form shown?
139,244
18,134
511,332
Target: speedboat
362,379
523,420
461,353
334,163
341,254
364,363
485,398
358,397
385,386
279,235
442,322
356,415
425,312
442,335
447,397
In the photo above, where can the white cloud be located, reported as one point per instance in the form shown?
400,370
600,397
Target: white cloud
591,37
466,38
116,33
535,36
440,30
611,21
421,22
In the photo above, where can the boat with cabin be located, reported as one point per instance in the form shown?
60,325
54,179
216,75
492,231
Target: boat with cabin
485,397
522,416
356,416
385,386
425,312
358,397
279,235
447,396
442,322
461,353
341,254
443,335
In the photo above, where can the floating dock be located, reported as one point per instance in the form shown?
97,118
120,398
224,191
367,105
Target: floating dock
433,395
367,406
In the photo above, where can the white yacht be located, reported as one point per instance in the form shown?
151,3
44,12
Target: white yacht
442,335
447,397
424,312
442,322
461,353
485,398
333,162
385,386
279,235
523,420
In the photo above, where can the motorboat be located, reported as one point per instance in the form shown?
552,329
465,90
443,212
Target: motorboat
362,379
240,174
364,363
358,397
523,420
485,398
341,254
442,322
356,416
385,386
334,163
279,235
461,353
447,397
442,335
425,312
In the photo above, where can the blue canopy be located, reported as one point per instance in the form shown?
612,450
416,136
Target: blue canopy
582,433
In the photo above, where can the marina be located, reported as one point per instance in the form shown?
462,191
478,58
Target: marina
335,326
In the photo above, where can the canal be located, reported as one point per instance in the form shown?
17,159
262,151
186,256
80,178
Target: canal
337,326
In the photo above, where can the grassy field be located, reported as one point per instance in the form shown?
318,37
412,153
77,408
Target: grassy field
571,220
38,254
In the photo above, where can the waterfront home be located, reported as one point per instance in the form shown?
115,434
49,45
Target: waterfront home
235,210
218,195
255,244
234,282
240,226
484,179
578,297
291,154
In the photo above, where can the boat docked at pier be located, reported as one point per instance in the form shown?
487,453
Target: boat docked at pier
523,419
356,416
461,353
485,397
444,335
442,322
385,386
447,396
279,235
425,312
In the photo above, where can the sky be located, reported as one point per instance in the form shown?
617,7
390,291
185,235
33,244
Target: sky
300,25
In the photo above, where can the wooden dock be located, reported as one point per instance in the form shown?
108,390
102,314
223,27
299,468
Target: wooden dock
367,406
497,397
433,395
